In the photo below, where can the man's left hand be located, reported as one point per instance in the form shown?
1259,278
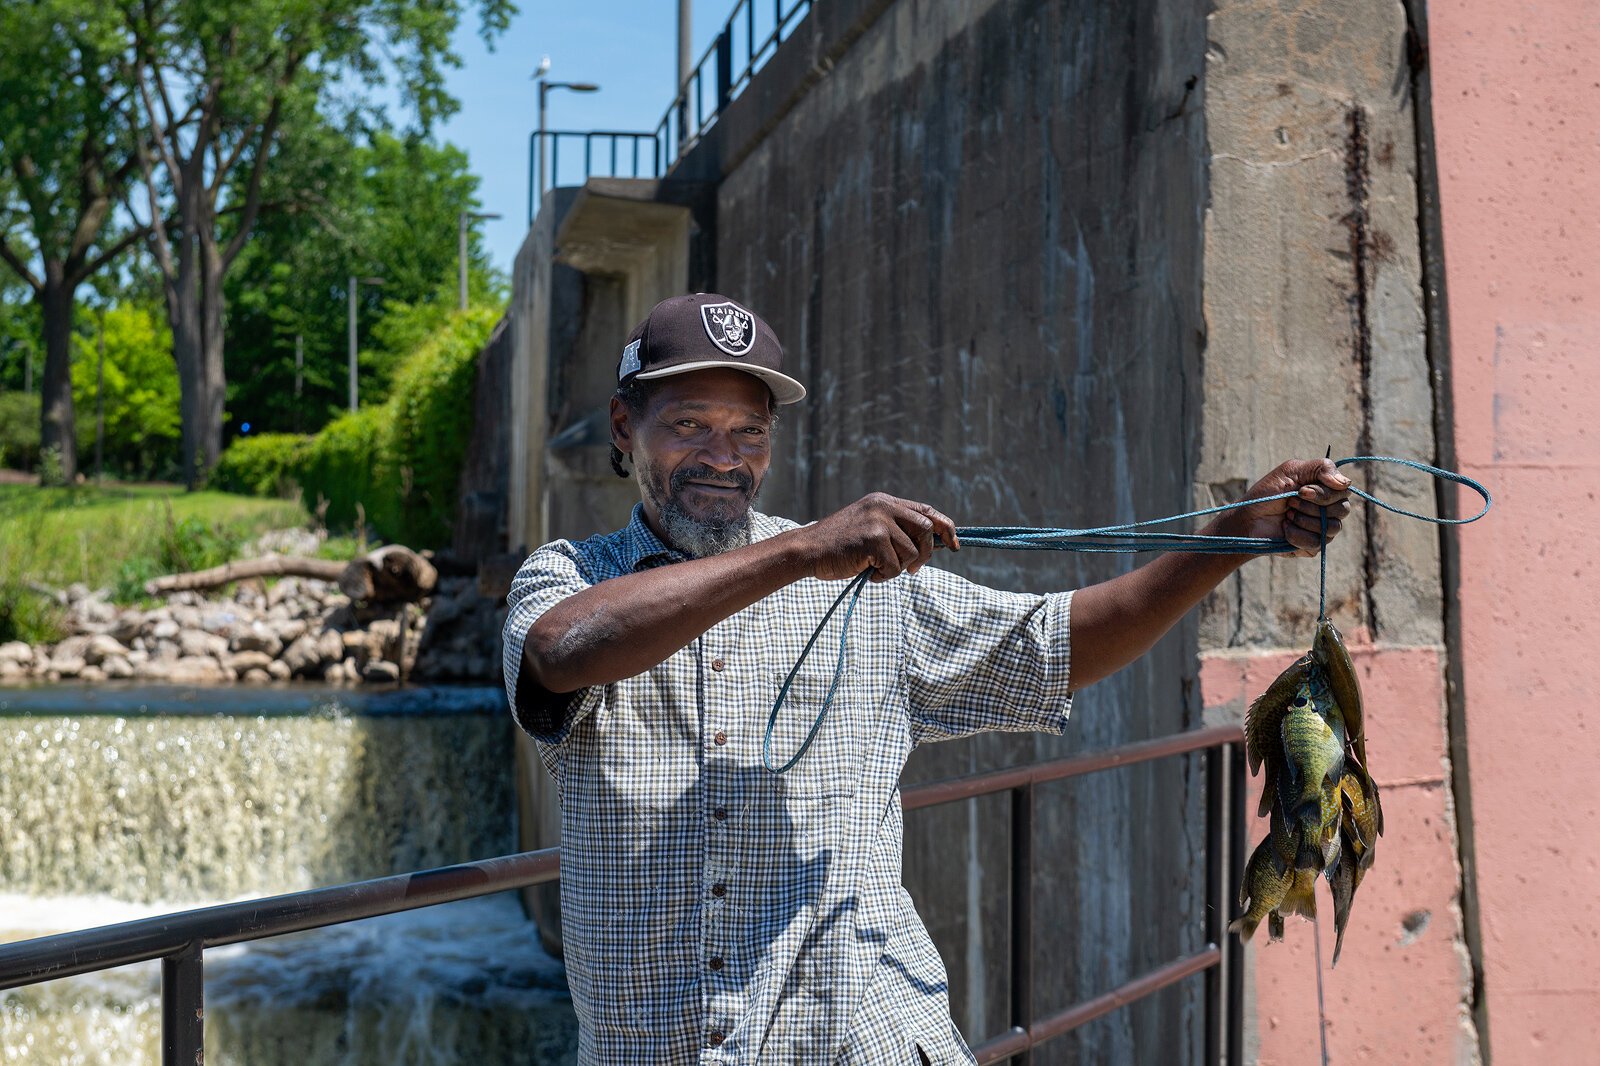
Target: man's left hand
1318,485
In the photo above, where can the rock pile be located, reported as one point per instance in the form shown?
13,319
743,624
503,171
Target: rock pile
296,628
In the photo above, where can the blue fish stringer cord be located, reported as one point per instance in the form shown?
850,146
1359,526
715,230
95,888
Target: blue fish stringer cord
1127,537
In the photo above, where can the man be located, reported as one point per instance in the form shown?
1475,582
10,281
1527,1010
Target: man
712,911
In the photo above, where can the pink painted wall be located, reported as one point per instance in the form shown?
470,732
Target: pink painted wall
1516,89
1398,993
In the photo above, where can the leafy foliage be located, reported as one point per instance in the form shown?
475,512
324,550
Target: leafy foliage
386,207
141,392
19,430
262,464
400,461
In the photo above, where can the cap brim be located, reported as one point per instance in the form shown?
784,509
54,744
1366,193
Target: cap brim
785,389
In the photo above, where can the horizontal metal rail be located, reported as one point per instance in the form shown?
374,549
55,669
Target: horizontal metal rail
47,958
1018,1041
960,788
180,939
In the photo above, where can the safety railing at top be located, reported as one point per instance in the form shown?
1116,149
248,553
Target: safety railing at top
180,940
747,40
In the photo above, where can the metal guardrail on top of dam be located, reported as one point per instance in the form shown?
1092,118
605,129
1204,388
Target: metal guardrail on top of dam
751,35
180,940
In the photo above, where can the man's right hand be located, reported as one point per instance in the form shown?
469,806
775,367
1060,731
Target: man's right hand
889,535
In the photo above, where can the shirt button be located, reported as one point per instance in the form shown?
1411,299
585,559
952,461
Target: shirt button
719,890
721,738
720,814
715,962
718,665
714,1038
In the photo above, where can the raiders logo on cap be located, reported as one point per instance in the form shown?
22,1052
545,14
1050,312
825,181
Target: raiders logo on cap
730,327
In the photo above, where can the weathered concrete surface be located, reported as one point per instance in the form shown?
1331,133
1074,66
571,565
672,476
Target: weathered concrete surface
1398,993
1313,303
978,235
1517,101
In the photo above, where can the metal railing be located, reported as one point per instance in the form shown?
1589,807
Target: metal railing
180,940
747,40
617,161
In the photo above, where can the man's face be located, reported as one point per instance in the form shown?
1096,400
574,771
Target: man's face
701,448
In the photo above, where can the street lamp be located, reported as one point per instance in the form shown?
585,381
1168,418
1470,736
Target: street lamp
545,89
352,330
463,218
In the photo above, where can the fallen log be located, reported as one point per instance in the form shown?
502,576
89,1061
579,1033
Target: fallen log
267,566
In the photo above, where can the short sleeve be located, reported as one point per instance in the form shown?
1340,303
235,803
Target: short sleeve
549,576
978,659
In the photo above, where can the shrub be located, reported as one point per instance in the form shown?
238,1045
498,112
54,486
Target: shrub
19,430
402,460
266,464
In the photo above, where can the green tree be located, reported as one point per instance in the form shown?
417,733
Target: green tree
218,85
140,395
387,206
67,157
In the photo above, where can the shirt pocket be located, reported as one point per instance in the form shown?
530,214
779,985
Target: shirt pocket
830,768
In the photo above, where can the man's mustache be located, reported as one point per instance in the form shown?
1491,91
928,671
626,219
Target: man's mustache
735,478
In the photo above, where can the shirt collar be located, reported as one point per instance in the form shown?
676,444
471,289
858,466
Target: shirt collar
642,549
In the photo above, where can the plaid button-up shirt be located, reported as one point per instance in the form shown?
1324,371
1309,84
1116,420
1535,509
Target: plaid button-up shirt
715,913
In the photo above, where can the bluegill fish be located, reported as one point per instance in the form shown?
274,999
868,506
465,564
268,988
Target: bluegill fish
1313,736
1306,735
1329,652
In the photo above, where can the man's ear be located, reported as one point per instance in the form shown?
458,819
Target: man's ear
621,428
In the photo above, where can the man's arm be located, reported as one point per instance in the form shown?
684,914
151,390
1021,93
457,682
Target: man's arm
623,627
1116,621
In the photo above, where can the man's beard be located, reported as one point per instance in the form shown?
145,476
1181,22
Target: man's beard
725,525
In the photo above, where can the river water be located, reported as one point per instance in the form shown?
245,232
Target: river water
118,803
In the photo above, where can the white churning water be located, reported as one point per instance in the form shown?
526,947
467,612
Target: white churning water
153,803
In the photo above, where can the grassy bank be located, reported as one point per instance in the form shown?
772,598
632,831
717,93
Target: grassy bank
116,536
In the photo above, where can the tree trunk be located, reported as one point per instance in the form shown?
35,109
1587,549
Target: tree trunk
57,427
195,312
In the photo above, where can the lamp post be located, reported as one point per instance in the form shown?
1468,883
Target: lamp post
352,330
463,219
545,89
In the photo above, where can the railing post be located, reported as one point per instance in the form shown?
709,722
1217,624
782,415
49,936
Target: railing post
533,173
1216,767
183,1007
1233,947
724,67
1022,913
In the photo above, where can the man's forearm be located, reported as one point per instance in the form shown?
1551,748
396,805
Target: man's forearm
1116,621
624,626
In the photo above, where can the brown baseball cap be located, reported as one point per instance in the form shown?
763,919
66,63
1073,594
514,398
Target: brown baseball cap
704,330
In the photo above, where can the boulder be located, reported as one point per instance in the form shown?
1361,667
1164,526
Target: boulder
197,670
195,642
166,629
102,647
16,651
91,673
11,670
115,666
187,616
278,670
259,637
289,631
331,644
303,656
242,662
128,626
257,676
66,665
380,671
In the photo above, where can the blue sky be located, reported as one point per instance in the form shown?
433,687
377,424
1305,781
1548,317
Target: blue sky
627,47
